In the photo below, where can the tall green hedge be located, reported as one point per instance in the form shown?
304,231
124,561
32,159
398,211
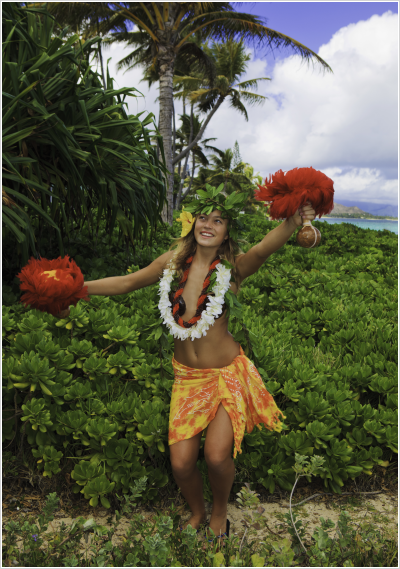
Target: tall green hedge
91,392
71,154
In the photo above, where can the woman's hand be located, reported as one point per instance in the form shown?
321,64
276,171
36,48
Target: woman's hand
63,313
303,213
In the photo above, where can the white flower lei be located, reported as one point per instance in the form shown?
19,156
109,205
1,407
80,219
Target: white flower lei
214,306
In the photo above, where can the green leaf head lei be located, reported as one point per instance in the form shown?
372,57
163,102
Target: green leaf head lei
230,206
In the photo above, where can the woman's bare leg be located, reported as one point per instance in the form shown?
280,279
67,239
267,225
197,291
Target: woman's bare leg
184,456
221,468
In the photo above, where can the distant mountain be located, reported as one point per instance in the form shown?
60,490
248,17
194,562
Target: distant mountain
339,209
373,208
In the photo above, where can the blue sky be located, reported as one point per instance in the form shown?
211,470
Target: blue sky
313,23
344,124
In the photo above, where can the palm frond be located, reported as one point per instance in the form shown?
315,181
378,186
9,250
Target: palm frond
237,104
251,83
251,98
219,26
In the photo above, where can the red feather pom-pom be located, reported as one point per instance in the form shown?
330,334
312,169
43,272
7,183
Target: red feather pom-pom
52,285
289,191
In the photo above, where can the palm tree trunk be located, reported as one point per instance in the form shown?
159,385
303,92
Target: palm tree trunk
179,197
174,137
190,183
200,133
166,71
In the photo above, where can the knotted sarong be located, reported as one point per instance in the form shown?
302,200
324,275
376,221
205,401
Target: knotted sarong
197,393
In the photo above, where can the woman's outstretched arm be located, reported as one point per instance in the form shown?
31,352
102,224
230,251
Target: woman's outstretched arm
250,262
111,286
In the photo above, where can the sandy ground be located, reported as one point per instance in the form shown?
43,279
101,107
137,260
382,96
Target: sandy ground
381,510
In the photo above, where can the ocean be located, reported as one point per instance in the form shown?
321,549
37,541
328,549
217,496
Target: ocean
377,224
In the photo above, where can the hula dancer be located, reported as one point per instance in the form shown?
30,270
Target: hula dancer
216,388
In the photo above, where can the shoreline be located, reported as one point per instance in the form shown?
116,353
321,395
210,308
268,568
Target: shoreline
360,218
344,218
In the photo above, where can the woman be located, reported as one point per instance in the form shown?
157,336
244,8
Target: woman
216,387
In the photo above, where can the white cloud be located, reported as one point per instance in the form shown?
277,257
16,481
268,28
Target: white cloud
131,78
146,102
362,184
344,123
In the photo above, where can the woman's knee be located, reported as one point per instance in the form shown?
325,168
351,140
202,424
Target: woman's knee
182,468
217,459
183,457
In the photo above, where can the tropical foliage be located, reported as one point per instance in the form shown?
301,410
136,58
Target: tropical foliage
90,393
223,171
190,127
166,29
228,169
230,61
207,92
68,144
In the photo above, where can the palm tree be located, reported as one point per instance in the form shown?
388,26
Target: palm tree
230,61
225,172
189,129
166,28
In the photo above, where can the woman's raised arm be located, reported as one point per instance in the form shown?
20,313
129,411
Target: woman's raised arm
250,262
111,286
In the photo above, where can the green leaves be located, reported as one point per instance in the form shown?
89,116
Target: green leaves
95,484
72,423
85,471
95,367
235,308
36,372
277,470
122,334
66,137
36,414
339,399
51,458
321,433
213,199
311,407
119,363
101,429
296,442
76,319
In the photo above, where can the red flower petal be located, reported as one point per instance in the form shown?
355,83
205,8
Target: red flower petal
289,191
52,285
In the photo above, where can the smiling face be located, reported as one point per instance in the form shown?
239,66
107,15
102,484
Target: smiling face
211,230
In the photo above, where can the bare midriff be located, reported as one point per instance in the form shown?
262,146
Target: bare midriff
215,350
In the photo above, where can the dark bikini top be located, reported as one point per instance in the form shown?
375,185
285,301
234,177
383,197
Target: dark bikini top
182,305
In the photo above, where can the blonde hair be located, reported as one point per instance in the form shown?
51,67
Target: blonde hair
186,246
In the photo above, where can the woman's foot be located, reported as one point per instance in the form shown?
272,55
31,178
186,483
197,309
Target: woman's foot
218,524
196,520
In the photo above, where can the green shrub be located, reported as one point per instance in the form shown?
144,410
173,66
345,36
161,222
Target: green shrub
96,386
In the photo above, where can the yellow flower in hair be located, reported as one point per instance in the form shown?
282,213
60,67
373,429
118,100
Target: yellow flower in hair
187,219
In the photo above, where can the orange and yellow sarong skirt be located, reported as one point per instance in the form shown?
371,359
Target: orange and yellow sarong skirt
197,393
